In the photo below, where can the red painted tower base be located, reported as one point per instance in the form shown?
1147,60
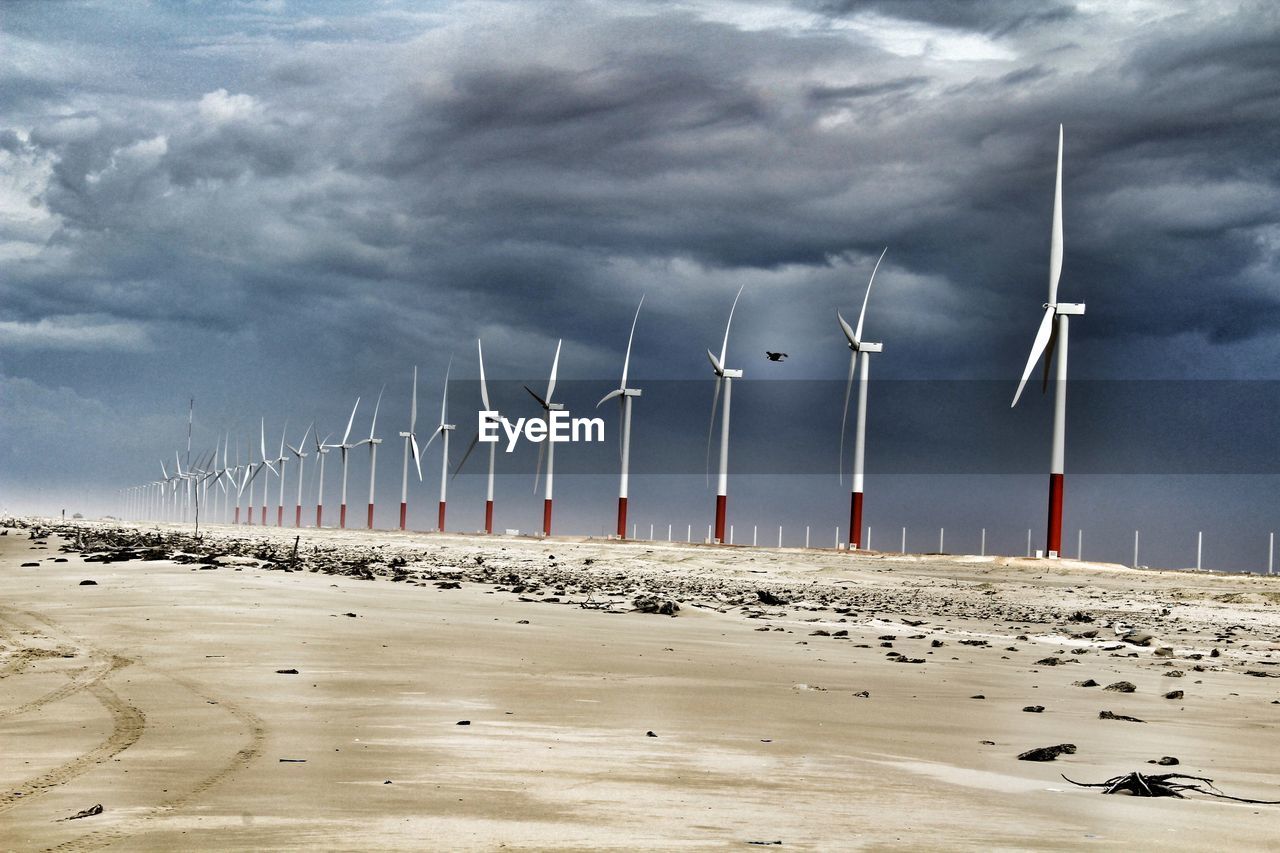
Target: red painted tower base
404,512
280,516
297,516
440,517
319,515
546,517
237,521
1054,544
249,514
722,506
370,522
622,518
342,516
855,520
264,515
488,517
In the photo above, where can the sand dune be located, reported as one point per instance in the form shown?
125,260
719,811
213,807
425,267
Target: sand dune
844,718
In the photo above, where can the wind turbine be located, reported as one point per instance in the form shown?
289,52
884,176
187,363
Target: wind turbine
410,443
548,407
344,447
302,455
725,375
282,460
443,430
266,463
857,346
373,453
493,446
322,450
625,394
1053,333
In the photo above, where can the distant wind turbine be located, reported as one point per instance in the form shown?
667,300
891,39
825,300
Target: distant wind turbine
410,444
857,346
1053,333
624,395
443,430
344,447
301,453
493,446
373,443
322,450
547,445
726,376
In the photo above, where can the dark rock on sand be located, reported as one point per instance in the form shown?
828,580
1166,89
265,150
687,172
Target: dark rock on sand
1048,753
769,598
1173,694
1107,715
88,583
1121,687
1164,761
286,672
1034,709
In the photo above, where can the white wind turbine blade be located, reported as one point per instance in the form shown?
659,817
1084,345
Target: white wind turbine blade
164,471
616,392
537,474
470,447
848,330
724,348
1038,347
413,408
484,388
373,426
862,315
301,444
283,432
716,364
1055,244
555,366
351,420
844,418
444,395
417,457
438,430
626,362
263,439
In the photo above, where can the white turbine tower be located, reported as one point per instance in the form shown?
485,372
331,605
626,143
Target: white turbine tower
344,447
1053,334
301,453
410,444
266,463
373,453
625,395
857,346
548,445
282,461
322,450
493,446
443,430
725,375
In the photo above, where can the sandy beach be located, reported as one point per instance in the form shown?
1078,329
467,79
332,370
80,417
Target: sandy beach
388,691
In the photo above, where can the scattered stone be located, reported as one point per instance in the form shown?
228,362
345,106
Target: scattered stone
936,644
287,671
655,604
30,566
1088,682
650,734
1048,753
89,812
1079,616
1121,687
1173,694
769,598
1138,638
1049,661
1107,715
1034,709
1164,652
463,723
977,696
88,583
1164,761
863,694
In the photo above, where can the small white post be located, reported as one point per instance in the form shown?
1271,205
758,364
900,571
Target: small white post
1028,541
633,530
650,532
904,540
779,535
982,552
688,533
868,545
837,537
942,538
754,528
806,540
1199,547
1135,549
1271,552
668,532
730,534
708,532
1080,544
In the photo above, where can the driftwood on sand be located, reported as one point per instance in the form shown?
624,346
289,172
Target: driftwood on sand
1164,785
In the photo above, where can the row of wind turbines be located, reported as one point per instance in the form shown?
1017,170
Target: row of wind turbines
175,494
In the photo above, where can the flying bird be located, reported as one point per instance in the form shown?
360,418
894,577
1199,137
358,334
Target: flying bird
775,356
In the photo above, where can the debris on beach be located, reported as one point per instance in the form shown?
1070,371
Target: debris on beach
1048,753
1121,687
1164,785
95,809
1107,715
655,604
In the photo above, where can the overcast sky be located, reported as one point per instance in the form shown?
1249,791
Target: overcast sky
276,206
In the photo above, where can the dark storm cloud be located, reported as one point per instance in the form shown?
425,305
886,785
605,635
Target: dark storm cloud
997,17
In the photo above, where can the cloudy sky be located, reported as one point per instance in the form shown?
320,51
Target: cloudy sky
276,206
